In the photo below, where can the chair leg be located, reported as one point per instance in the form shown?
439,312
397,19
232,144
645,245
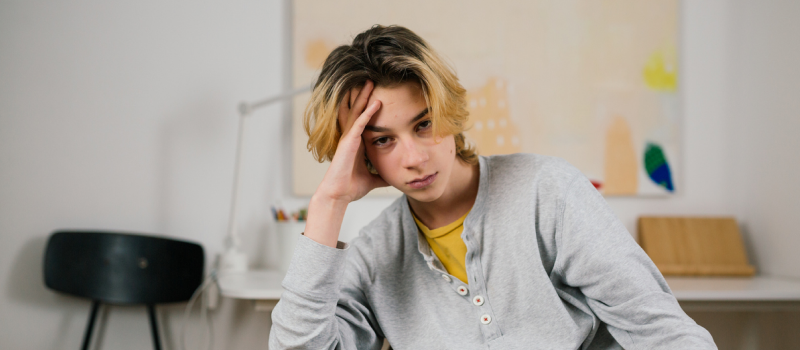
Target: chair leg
151,309
87,336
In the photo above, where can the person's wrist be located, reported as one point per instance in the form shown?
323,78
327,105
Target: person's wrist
324,200
329,199
325,216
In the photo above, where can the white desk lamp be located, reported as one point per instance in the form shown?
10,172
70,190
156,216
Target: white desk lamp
233,259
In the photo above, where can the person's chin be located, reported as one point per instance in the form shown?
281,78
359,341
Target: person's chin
425,195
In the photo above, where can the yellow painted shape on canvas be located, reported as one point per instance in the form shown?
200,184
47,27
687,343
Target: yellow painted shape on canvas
660,72
492,129
620,160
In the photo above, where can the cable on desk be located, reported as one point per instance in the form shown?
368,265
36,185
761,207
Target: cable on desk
211,279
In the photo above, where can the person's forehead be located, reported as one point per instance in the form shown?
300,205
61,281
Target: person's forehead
405,93
398,103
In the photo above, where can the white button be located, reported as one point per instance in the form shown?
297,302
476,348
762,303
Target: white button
462,290
486,319
477,300
447,278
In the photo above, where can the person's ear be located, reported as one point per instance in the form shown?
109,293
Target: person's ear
370,167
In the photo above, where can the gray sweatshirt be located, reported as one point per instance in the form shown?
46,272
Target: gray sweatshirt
549,266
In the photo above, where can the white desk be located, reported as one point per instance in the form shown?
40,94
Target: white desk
261,286
760,293
254,284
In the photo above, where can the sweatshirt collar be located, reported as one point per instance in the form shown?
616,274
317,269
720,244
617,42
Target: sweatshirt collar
473,218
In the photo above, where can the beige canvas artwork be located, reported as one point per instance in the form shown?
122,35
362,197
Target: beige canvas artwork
593,82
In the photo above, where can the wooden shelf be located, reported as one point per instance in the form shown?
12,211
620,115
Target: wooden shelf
694,246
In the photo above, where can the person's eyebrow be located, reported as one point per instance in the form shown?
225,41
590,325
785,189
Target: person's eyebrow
419,116
374,128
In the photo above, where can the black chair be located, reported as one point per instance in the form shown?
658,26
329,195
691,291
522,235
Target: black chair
120,268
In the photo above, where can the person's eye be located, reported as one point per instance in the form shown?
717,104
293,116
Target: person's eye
424,125
381,141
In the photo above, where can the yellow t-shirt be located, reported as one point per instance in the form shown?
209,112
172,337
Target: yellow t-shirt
448,246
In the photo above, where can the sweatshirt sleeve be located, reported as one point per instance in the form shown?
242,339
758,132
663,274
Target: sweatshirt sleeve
622,286
323,305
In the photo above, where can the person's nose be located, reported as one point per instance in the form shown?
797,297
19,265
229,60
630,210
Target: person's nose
414,155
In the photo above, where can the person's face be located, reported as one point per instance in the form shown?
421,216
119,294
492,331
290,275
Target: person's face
401,146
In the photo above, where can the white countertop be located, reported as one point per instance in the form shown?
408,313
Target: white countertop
758,288
266,285
253,284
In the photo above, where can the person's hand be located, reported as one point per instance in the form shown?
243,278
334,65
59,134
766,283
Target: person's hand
348,178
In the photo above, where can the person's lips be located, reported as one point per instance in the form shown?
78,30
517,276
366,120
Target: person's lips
423,181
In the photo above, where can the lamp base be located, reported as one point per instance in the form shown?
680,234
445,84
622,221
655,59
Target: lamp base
232,261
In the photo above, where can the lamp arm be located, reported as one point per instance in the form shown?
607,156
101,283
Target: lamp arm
233,241
245,110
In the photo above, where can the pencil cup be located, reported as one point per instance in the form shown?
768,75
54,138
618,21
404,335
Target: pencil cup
288,234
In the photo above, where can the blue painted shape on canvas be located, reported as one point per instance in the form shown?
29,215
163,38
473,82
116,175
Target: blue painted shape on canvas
655,162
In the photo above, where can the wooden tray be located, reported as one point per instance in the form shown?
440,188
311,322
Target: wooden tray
690,246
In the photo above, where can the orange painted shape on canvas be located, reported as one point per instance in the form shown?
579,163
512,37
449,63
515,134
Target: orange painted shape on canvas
620,160
316,53
492,129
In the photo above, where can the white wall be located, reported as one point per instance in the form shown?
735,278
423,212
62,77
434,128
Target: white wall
122,116
765,108
757,49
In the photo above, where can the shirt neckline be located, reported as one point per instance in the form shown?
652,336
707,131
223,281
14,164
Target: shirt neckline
441,231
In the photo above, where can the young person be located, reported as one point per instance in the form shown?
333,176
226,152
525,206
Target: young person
503,252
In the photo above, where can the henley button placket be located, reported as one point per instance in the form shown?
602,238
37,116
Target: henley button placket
486,319
489,329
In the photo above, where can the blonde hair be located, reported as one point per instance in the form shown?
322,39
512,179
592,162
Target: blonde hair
388,56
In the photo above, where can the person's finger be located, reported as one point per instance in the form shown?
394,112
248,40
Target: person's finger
363,119
352,139
351,113
345,103
363,97
344,112
353,94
